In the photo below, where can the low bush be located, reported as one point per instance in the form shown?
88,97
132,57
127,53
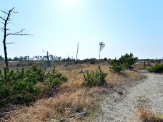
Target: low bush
116,66
55,78
105,59
127,61
84,61
158,68
96,78
124,62
19,87
92,61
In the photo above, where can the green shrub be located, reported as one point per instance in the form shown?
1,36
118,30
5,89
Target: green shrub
124,62
19,87
76,62
55,78
84,61
127,61
105,59
38,71
96,78
158,68
24,92
92,61
116,66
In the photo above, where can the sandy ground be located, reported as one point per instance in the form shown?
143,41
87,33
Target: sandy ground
123,108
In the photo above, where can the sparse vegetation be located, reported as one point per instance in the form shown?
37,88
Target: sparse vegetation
50,88
70,97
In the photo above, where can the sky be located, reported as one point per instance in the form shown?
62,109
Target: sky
124,26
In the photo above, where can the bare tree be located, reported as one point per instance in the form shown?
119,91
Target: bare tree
77,51
47,55
102,45
6,20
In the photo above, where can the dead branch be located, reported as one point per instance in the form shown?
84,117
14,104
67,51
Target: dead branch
44,51
18,33
2,18
4,12
10,43
2,30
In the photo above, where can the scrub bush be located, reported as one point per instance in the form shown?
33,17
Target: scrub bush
124,62
18,87
96,78
158,68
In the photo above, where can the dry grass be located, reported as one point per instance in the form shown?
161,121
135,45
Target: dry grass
123,79
71,98
59,107
149,116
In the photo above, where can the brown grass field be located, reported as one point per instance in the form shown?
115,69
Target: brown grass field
71,98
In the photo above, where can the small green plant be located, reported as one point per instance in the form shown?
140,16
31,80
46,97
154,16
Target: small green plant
158,68
96,78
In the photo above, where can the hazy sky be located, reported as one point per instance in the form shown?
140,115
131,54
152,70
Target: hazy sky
58,25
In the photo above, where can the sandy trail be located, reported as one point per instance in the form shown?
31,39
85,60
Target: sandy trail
122,108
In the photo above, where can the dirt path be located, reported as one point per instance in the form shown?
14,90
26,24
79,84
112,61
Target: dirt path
121,108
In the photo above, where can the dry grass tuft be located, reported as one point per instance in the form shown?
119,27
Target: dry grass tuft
148,116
